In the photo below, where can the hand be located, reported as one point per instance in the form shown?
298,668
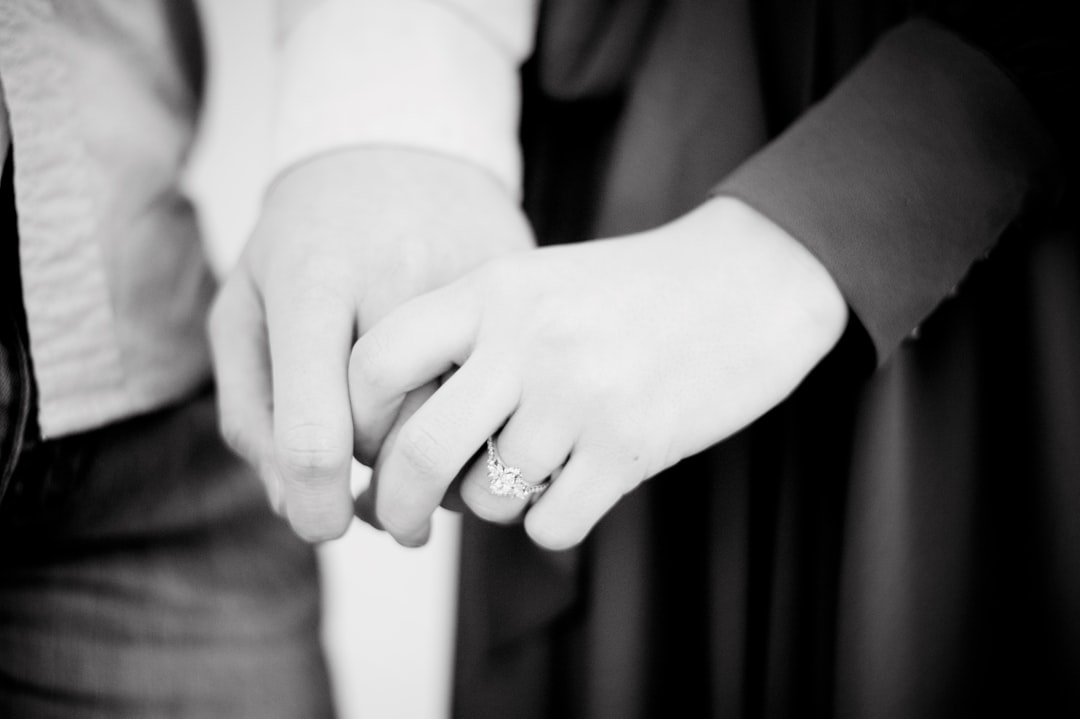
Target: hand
601,363
342,240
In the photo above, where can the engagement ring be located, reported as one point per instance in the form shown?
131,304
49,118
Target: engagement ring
506,481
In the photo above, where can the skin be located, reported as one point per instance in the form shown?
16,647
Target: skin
343,239
601,364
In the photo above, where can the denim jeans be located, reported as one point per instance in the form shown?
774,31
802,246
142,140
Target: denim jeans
142,573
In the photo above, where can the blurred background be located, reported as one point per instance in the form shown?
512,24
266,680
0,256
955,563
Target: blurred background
388,611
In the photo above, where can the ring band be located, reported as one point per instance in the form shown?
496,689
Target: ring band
506,481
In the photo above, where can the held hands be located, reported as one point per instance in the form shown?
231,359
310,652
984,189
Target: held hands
343,239
598,364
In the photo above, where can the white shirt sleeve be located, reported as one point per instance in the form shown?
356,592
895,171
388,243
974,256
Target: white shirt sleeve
436,75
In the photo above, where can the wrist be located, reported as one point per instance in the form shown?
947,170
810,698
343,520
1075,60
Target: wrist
812,309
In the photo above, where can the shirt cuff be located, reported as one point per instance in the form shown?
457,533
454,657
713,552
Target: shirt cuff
904,176
411,73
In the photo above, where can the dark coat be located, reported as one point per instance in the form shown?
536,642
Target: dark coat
900,538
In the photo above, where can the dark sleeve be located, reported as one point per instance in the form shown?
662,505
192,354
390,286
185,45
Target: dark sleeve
905,174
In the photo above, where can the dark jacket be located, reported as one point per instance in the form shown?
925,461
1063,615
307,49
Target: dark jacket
901,538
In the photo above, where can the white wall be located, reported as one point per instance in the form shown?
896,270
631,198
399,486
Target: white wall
389,611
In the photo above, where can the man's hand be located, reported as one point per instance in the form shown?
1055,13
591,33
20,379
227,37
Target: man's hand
343,239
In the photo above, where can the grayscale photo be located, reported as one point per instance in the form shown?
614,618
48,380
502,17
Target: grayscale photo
539,359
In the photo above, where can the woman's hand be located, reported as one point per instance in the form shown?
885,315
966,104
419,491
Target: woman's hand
599,364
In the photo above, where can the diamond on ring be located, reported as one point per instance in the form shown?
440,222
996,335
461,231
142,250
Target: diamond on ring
506,481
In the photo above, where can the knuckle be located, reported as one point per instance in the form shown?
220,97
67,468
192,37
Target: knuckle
312,451
320,521
298,292
320,291
315,269
424,453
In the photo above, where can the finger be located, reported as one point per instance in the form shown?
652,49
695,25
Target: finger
365,502
310,333
410,347
586,489
531,443
437,442
239,352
